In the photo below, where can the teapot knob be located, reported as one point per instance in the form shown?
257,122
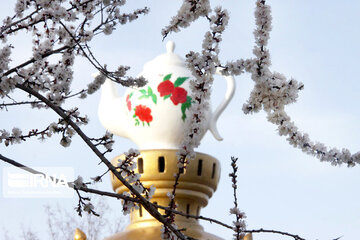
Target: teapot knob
170,46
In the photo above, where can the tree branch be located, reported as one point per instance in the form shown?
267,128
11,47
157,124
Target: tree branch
147,205
70,184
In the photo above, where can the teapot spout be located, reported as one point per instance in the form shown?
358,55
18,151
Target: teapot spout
111,109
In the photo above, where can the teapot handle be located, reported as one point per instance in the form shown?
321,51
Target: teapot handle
228,96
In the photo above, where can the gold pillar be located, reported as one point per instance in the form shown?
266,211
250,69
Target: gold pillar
195,188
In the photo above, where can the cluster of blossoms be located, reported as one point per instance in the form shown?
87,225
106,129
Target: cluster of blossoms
61,31
128,206
189,11
203,66
106,141
273,91
10,138
61,127
301,140
53,25
96,84
88,207
79,183
239,224
166,234
6,84
84,202
127,168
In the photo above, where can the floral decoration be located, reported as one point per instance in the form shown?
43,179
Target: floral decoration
128,102
167,89
143,114
177,94
148,94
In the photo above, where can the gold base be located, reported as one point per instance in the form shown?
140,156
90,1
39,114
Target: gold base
196,186
153,233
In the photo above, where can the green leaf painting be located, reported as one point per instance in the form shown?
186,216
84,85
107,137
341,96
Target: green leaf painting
154,98
137,122
167,77
186,105
179,81
148,93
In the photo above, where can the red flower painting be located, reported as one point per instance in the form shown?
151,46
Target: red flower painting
165,88
128,102
143,113
178,95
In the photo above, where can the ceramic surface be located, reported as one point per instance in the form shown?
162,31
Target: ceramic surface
154,116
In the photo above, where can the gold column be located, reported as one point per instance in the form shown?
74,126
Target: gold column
195,188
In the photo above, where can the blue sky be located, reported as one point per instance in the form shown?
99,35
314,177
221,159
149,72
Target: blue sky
280,188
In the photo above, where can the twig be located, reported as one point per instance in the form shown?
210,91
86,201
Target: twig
296,237
70,184
240,223
32,60
37,101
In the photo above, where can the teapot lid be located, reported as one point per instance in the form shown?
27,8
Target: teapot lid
169,58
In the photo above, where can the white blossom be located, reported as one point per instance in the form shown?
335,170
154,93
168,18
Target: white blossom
166,234
138,187
16,132
88,207
128,206
151,191
5,53
4,135
170,195
132,153
96,84
53,127
79,182
108,29
65,141
87,36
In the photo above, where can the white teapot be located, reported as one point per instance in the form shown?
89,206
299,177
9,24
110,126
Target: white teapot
154,116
